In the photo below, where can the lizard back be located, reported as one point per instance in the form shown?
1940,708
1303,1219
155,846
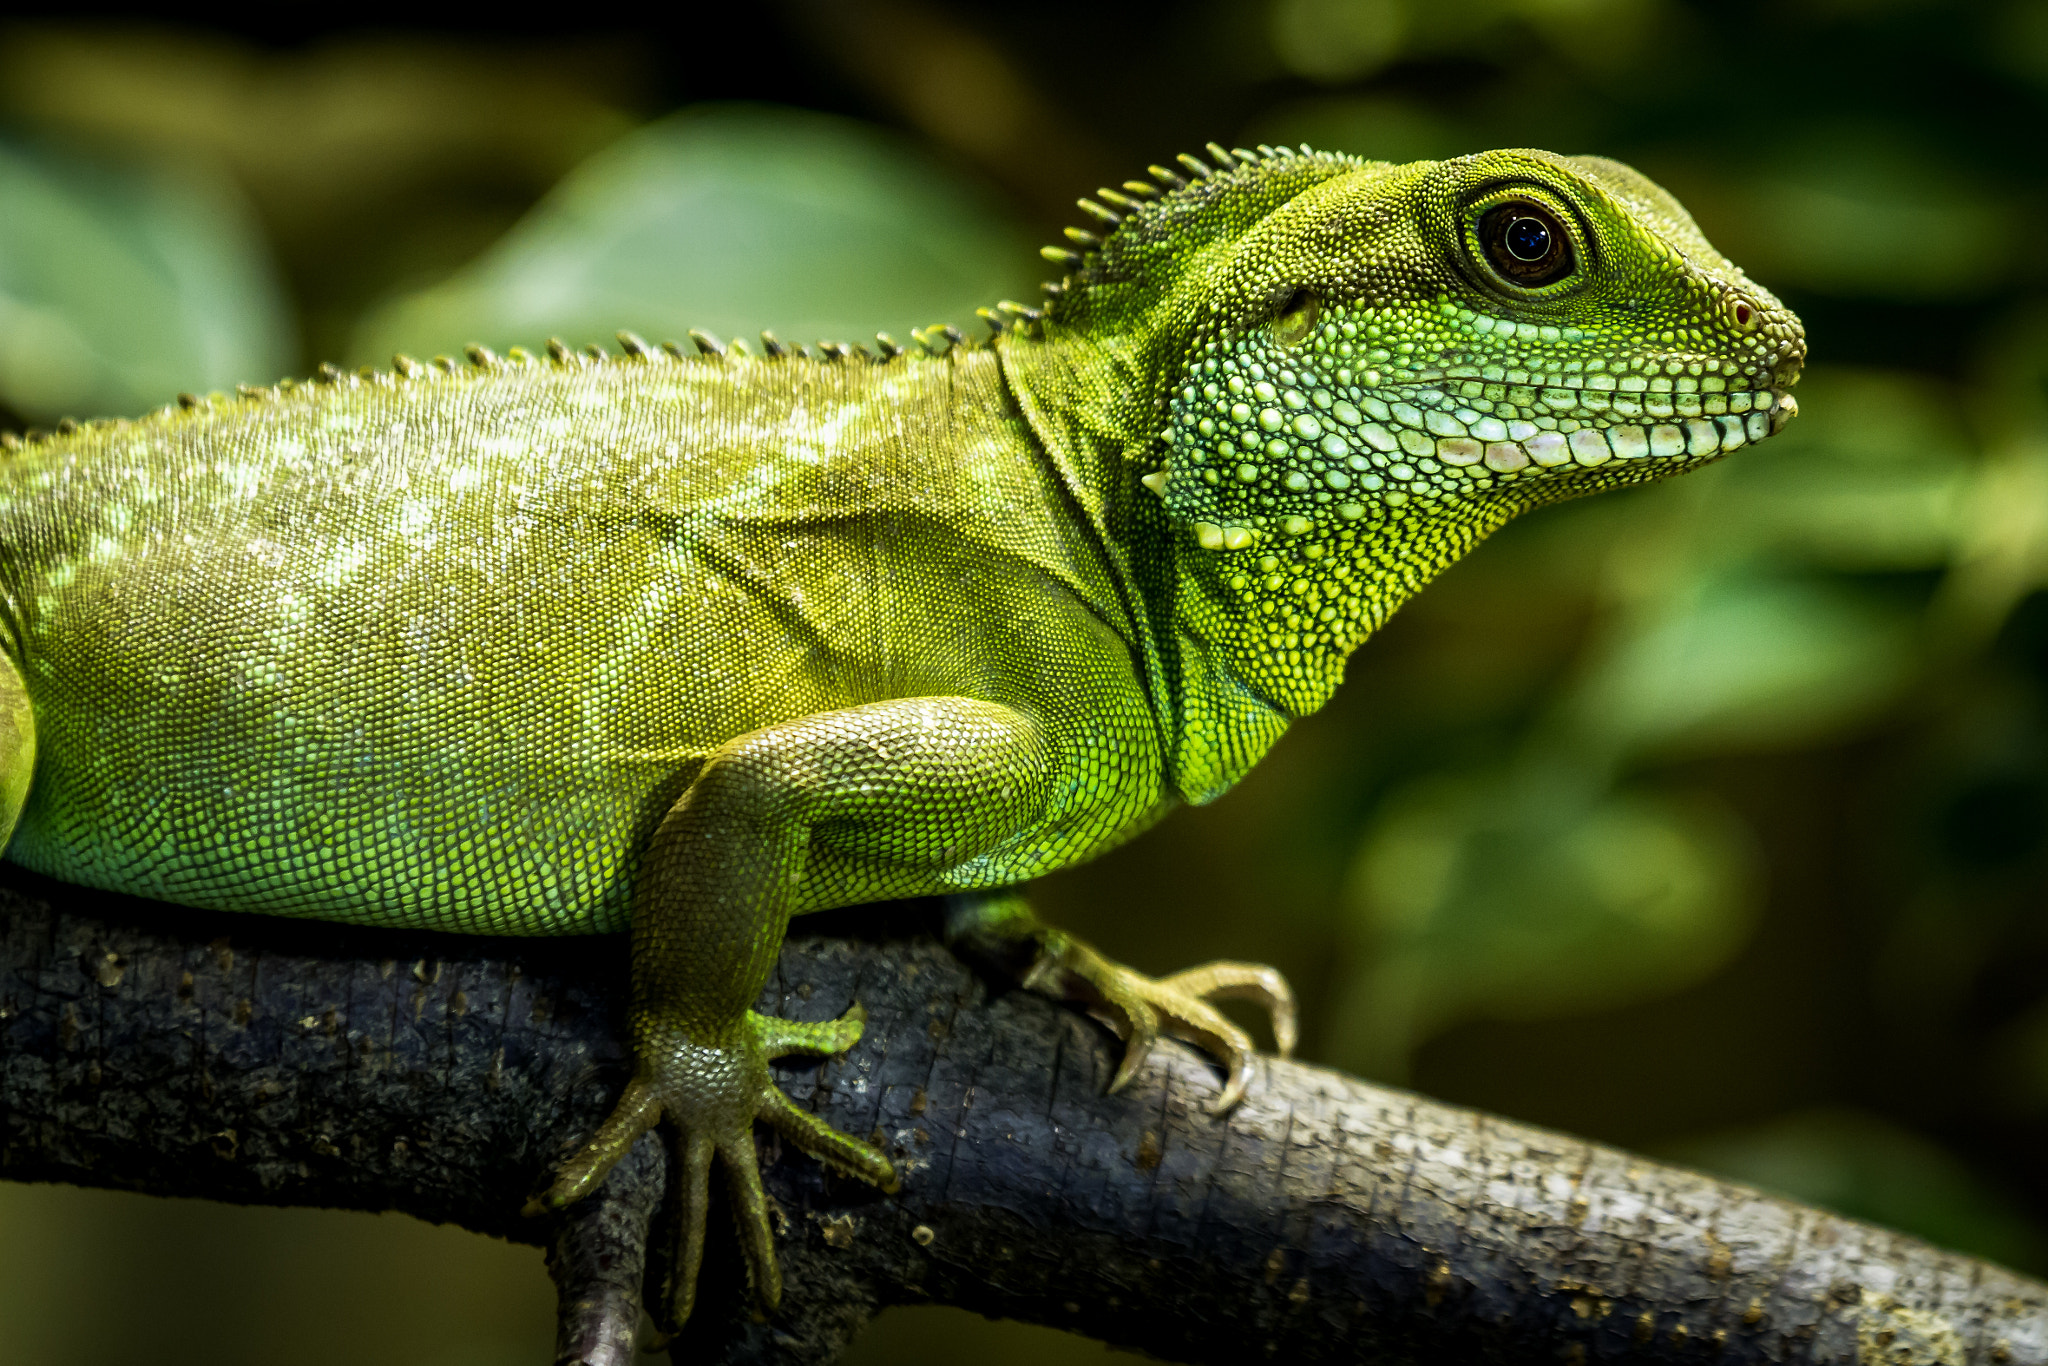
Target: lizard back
439,649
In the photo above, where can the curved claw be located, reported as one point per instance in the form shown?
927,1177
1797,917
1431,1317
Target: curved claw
1122,997
1255,982
1202,1025
1140,1008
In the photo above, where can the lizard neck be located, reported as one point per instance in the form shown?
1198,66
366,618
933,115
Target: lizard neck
1270,628
1287,613
1097,406
1238,642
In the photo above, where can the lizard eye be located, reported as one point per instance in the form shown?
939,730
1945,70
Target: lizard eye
1525,244
1297,318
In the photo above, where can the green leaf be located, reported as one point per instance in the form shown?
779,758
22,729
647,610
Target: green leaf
730,219
1860,209
1745,659
121,287
1875,475
1527,893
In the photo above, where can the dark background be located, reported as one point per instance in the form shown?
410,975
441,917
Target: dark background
1705,819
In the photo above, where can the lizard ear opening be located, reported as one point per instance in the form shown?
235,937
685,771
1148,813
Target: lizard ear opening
1296,318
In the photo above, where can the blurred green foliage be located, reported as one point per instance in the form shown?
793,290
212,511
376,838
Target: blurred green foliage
730,219
121,286
1710,818
1529,892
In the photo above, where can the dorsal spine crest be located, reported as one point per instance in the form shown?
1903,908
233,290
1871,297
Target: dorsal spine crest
1115,209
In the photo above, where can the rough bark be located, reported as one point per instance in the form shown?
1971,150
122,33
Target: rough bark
267,1061
598,1259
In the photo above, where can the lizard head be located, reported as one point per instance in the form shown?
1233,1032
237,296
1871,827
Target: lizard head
1353,341
1339,375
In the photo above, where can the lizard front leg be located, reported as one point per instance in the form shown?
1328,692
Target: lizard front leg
842,807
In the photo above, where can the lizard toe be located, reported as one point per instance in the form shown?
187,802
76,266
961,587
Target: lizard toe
842,1152
1188,1016
1138,1025
638,1110
1255,982
750,1214
693,1173
785,1038
1140,1008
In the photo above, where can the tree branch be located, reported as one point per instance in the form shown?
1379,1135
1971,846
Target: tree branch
268,1061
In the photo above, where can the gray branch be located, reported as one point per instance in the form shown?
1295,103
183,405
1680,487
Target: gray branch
267,1061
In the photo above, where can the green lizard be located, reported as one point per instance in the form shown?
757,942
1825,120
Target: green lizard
692,644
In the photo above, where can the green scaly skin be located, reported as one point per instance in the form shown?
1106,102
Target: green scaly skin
696,644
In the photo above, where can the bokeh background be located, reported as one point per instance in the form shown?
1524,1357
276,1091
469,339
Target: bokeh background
1708,819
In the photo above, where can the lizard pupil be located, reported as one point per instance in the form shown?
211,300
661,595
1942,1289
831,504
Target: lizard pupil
1525,244
1528,239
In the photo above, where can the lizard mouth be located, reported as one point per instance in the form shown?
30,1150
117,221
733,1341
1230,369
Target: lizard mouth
1499,424
1677,427
1736,420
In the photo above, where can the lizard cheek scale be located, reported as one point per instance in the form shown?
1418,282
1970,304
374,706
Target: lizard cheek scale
688,642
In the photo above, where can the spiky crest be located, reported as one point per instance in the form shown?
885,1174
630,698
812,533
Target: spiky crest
1137,219
1148,226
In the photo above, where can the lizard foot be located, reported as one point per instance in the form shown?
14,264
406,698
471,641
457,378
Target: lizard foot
713,1092
1139,1008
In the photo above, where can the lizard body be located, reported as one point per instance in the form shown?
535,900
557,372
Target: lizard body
453,681
697,643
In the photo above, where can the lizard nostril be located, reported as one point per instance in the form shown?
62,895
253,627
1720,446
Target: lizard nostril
1789,361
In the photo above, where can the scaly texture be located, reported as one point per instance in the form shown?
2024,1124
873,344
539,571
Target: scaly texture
441,650
698,643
